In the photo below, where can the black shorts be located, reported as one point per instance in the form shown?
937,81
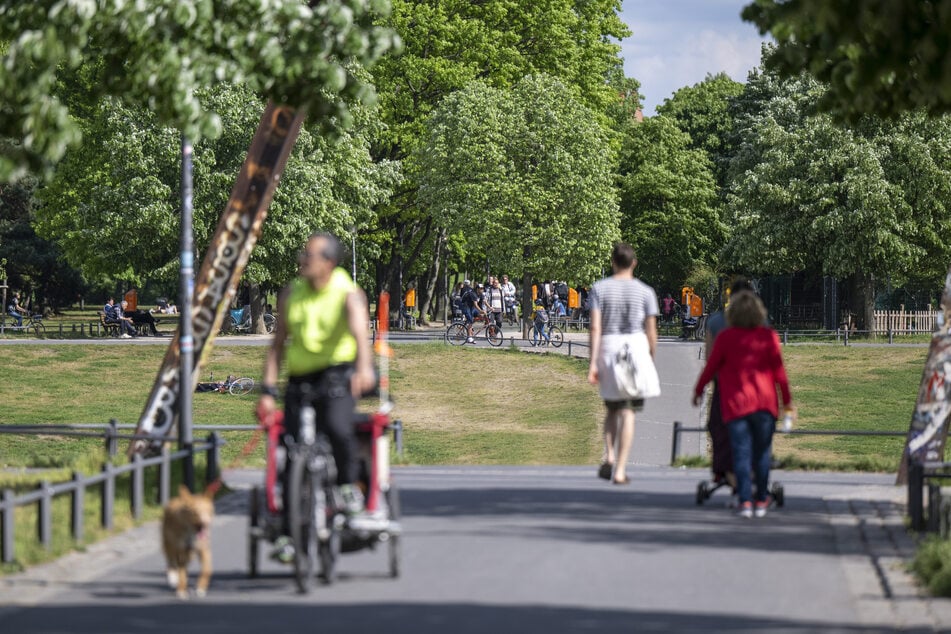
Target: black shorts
636,404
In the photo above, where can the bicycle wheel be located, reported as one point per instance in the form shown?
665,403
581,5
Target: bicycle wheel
327,552
241,386
301,517
493,334
269,323
228,325
393,512
254,523
456,334
557,336
534,338
39,328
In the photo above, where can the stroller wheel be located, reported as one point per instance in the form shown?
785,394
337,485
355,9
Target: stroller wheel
779,495
703,492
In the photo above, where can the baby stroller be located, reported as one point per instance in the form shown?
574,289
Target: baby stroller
722,460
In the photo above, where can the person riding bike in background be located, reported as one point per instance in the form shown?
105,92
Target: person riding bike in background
470,306
322,331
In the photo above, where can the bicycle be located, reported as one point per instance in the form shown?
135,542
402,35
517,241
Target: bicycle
31,321
555,336
239,320
231,385
457,334
320,530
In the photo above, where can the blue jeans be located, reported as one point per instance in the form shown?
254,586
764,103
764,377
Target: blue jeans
751,438
18,317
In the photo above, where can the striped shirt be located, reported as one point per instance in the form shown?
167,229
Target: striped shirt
624,304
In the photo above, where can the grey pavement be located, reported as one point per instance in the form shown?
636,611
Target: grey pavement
538,549
533,550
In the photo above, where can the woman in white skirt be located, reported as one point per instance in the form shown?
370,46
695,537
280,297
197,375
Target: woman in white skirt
623,326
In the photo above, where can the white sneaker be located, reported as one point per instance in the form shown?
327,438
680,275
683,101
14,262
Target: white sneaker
746,510
470,340
759,509
125,336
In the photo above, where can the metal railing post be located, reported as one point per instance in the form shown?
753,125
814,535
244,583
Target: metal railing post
78,519
846,335
398,437
211,458
137,494
915,495
675,443
934,508
112,441
7,527
108,496
44,520
165,477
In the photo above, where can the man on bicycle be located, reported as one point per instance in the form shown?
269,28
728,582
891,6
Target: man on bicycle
322,331
470,306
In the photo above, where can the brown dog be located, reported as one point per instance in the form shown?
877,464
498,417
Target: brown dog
186,526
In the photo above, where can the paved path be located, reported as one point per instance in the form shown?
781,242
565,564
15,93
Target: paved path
537,550
530,550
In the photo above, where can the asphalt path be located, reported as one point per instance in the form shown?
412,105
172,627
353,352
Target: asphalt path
528,550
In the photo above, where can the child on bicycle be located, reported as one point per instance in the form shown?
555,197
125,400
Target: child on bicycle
540,320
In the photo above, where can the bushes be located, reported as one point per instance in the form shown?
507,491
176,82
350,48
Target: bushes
932,565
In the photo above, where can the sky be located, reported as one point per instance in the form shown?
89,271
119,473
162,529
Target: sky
676,43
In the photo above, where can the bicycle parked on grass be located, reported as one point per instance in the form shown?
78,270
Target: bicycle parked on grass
32,321
457,334
555,336
231,385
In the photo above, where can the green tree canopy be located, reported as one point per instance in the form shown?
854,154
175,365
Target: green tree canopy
878,57
703,112
668,202
113,203
524,176
161,54
860,201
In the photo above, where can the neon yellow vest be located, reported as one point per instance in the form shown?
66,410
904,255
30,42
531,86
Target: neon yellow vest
317,325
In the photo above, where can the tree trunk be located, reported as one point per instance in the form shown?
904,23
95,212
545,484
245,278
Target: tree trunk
863,294
257,309
427,289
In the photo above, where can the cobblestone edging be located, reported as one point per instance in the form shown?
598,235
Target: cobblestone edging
875,548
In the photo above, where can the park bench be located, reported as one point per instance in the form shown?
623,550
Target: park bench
111,328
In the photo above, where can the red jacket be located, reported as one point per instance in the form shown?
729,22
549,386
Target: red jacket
747,363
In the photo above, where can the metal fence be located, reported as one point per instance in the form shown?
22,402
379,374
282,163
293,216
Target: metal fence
105,480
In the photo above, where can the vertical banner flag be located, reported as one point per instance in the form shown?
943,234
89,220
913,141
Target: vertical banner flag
929,423
228,252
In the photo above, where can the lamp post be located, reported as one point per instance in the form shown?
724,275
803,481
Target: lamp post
186,340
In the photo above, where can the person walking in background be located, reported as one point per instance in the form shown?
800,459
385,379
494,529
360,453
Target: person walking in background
540,321
747,361
623,313
495,301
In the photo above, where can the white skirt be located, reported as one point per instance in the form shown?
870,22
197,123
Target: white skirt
647,379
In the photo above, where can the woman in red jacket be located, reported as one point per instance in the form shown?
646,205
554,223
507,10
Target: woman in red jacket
747,361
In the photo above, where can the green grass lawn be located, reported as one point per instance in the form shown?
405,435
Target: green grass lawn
468,406
458,406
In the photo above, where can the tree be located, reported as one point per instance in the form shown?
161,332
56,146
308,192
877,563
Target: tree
162,53
34,265
524,177
809,194
879,57
668,202
448,44
113,203
703,112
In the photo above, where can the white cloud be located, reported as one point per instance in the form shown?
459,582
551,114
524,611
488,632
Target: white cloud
677,43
